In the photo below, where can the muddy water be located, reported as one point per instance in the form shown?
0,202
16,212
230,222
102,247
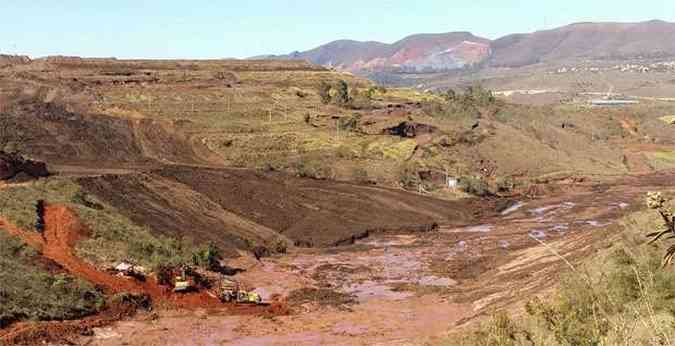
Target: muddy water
416,286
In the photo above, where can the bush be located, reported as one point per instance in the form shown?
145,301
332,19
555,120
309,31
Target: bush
474,186
164,274
280,246
207,257
342,95
313,167
324,92
408,176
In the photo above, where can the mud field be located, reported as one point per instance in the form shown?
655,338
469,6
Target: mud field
408,288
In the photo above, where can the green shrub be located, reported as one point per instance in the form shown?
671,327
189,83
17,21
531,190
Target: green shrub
342,95
280,246
310,166
324,92
500,330
207,257
474,186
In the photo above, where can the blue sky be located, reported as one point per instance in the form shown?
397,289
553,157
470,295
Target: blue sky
242,28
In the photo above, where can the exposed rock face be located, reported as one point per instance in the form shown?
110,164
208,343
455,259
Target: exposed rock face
12,165
408,129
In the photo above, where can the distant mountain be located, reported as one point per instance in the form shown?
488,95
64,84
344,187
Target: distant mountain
456,50
651,39
417,53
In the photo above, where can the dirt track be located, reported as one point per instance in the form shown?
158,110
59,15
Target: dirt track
62,232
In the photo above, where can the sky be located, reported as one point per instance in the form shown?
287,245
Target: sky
200,29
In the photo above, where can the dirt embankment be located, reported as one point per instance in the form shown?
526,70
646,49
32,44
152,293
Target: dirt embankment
230,206
53,134
62,232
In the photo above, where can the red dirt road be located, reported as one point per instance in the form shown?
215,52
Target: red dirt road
62,232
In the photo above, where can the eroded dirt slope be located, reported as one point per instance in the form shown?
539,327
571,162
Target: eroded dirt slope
51,133
229,206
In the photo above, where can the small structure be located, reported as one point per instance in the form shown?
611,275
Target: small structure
452,182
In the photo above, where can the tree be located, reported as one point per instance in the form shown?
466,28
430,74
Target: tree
342,96
40,219
450,95
324,92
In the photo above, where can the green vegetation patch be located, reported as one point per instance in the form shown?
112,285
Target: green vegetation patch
30,293
663,159
391,149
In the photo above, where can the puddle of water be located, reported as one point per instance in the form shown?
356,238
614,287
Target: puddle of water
537,234
543,210
598,224
593,223
471,229
552,208
400,240
513,208
620,205
461,245
436,281
560,228
369,290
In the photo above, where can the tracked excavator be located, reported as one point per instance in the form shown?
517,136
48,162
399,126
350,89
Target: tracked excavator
229,291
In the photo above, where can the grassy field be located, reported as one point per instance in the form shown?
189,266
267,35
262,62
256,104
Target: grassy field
277,120
622,296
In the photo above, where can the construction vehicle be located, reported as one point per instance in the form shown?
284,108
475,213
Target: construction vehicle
130,271
230,292
182,282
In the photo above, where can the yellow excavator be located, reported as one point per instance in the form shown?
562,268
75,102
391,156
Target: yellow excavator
229,291
182,282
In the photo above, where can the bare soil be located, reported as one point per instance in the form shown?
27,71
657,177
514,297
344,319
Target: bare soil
227,206
418,285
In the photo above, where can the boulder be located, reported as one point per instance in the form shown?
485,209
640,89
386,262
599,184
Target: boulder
409,129
12,165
